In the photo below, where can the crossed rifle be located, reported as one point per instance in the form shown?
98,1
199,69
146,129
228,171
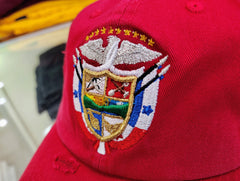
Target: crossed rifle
120,88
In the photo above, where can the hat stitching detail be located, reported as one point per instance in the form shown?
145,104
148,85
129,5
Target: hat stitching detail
134,116
135,34
147,110
128,53
116,71
65,163
77,89
119,31
118,108
75,93
97,32
116,115
111,30
75,67
127,32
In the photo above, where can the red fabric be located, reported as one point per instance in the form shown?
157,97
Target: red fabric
195,130
233,175
130,140
53,161
43,165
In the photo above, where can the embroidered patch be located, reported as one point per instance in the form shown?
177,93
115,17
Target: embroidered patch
115,107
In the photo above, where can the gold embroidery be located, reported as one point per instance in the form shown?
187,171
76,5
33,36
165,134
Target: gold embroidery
111,128
143,38
130,79
127,32
88,78
150,42
97,32
135,34
90,96
92,34
94,121
103,30
87,38
101,101
118,31
110,31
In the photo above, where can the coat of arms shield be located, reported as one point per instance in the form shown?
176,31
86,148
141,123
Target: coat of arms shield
107,102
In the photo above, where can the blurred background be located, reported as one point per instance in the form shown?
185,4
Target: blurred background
32,43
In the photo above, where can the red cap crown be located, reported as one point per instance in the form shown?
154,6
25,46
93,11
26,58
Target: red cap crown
127,113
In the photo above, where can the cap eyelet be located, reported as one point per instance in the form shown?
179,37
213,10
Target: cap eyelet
195,6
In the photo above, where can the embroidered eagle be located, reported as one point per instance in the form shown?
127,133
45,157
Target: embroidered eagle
128,53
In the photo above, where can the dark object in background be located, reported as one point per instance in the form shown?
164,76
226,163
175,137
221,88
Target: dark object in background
7,7
50,80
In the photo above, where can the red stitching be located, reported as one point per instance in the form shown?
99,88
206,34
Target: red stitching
65,164
133,138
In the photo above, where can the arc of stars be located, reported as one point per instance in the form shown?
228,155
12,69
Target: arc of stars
117,31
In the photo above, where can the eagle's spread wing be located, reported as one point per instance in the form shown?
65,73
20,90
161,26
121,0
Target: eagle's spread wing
130,53
94,50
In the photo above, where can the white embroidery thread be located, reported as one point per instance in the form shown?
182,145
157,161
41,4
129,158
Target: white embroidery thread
128,53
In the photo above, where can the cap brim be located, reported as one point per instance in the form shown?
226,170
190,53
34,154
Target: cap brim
53,161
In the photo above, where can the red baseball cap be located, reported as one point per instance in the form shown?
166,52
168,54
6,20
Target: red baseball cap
151,92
